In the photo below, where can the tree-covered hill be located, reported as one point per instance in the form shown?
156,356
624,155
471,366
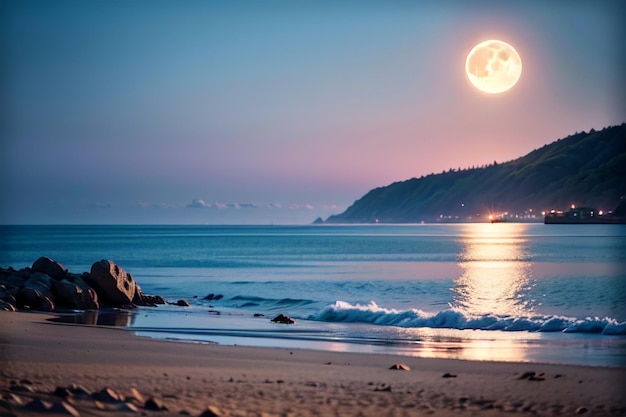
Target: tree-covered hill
585,169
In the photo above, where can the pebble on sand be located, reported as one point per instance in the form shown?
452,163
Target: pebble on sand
533,376
211,411
400,367
281,318
154,404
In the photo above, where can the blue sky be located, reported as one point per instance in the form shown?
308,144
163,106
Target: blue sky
278,111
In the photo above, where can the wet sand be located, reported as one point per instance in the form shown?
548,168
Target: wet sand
37,357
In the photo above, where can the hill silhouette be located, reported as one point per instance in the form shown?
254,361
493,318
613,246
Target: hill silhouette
585,169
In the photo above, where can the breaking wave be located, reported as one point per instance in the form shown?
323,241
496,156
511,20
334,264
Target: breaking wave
371,313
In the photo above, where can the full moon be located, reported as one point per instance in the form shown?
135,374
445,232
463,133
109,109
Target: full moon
493,66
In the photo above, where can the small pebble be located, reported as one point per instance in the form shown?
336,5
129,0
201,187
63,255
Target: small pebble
21,388
64,408
62,392
12,399
38,405
127,407
211,411
133,394
108,395
154,404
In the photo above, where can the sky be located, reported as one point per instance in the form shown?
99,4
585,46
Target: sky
279,112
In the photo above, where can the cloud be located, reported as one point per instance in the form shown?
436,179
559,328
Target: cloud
199,203
297,206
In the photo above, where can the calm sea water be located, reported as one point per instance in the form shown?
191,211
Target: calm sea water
513,292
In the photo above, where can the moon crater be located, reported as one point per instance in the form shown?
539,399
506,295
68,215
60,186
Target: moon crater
493,66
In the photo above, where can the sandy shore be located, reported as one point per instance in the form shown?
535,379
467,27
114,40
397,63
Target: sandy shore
37,356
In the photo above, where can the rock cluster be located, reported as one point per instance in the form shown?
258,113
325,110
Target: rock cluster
47,286
65,400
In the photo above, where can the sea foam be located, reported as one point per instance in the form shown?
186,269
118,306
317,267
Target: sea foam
372,313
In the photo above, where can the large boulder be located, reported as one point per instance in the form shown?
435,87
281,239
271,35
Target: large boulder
111,282
47,266
37,293
70,294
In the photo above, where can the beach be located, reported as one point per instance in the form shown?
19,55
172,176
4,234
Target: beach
38,356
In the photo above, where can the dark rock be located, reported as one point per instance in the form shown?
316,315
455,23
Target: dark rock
214,297
127,407
154,404
134,395
79,391
15,387
64,408
62,392
7,306
38,405
70,294
448,375
8,292
212,411
533,376
49,267
37,293
10,399
259,315
111,282
281,318
72,391
108,395
11,282
182,303
145,300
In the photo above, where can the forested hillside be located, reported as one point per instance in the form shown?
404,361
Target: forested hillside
587,168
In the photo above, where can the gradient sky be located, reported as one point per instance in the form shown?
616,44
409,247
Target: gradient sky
279,111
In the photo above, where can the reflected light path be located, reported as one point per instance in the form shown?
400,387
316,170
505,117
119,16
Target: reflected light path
496,270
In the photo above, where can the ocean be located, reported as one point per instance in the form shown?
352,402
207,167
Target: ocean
504,291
